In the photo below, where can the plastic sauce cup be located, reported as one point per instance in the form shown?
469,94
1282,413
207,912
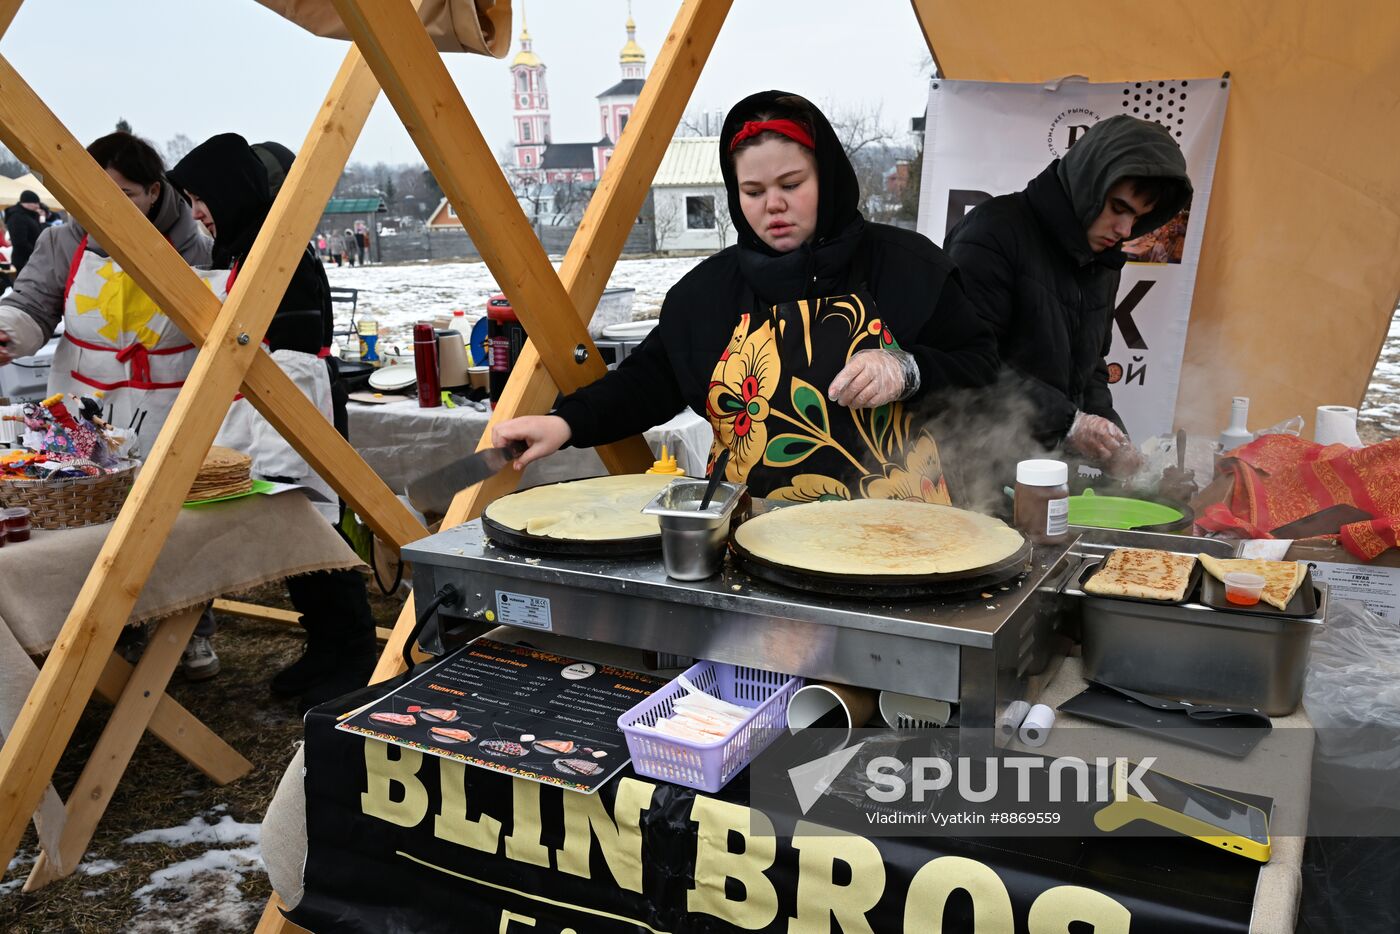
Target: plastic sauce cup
1243,588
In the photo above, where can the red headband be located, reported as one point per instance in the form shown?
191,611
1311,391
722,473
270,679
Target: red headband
789,128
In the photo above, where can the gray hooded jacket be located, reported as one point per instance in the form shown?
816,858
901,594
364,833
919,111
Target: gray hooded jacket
30,312
1027,265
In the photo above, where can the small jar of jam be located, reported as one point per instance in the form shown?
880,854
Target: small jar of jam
1042,501
16,522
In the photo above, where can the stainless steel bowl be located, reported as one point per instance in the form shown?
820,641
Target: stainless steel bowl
693,540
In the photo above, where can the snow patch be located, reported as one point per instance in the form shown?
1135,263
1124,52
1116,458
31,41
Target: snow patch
201,894
96,867
198,830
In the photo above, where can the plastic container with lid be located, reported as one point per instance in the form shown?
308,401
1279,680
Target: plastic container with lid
15,524
1243,588
1042,501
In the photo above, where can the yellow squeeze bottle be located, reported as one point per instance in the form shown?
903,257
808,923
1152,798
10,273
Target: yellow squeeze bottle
666,465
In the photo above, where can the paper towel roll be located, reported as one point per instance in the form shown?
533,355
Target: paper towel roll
1035,729
1336,424
1012,717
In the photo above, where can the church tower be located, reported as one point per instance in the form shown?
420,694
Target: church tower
531,105
615,105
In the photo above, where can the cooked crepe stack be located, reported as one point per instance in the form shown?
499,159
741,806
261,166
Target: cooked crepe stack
1281,578
225,472
1144,573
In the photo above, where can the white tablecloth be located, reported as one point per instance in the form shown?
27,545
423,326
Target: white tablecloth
401,442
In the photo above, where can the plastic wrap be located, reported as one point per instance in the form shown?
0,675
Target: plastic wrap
1354,682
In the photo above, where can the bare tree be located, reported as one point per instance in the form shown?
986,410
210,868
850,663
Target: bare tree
701,123
723,222
10,166
178,147
858,126
666,222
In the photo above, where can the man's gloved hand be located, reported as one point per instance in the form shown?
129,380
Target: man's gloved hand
874,377
1095,437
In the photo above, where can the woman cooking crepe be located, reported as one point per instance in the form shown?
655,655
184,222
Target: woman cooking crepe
812,346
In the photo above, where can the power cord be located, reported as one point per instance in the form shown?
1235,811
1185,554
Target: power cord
447,595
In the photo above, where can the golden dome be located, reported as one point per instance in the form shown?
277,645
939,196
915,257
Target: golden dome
525,56
631,52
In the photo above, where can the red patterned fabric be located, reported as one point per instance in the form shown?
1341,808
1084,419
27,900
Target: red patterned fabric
1280,478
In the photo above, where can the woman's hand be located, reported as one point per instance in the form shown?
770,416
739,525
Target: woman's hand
874,377
1096,438
544,434
5,356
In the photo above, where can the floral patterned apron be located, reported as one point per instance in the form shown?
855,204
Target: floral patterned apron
767,405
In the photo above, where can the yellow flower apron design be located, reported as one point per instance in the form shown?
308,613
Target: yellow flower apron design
767,405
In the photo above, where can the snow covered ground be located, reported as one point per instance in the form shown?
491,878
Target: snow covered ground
1380,412
398,296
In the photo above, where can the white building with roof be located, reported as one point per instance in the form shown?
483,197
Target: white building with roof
691,208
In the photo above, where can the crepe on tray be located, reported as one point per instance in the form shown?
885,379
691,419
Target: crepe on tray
597,509
225,472
1145,573
878,537
1281,578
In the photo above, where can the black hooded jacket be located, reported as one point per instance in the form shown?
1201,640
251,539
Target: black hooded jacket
913,283
232,181
1026,263
24,227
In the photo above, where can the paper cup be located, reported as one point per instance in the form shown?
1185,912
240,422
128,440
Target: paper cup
813,701
479,377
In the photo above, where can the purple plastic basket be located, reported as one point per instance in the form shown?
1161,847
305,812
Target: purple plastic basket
709,766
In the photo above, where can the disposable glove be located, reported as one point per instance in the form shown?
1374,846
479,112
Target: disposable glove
1095,437
874,377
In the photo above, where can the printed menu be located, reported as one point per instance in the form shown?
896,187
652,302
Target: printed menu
514,709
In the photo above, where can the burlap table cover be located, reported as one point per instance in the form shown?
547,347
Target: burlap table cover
212,550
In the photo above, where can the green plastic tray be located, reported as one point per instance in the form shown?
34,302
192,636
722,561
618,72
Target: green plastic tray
1119,512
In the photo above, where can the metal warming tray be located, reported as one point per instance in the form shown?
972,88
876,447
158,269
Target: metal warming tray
1190,650
981,652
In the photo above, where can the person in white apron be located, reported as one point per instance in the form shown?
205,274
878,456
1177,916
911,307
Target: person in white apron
231,186
819,347
116,339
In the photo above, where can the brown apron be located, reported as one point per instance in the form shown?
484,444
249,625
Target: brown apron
767,405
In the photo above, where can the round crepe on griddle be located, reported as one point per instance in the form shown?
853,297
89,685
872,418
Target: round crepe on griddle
878,537
596,509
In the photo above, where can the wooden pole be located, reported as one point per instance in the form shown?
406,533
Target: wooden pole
595,249
8,9
417,83
231,346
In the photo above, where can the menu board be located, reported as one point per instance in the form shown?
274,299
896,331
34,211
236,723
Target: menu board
514,709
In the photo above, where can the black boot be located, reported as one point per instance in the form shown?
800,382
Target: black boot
340,644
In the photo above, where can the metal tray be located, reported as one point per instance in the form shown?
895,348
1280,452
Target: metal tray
1192,584
884,586
1193,651
1302,606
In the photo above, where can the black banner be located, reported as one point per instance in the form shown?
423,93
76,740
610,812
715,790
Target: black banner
402,841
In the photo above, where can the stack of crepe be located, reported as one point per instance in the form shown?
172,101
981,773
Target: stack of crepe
225,472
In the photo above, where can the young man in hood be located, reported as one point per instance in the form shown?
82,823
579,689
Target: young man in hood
1043,267
22,219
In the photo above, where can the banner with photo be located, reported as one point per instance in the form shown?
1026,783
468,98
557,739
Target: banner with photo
985,139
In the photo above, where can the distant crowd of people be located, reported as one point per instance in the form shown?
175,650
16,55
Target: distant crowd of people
349,246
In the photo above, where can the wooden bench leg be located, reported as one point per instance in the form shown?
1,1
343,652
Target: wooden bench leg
183,732
112,754
272,921
271,614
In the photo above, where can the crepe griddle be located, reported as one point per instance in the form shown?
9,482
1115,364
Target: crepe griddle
574,547
887,586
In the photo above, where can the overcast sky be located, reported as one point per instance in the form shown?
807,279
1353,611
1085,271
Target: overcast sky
201,67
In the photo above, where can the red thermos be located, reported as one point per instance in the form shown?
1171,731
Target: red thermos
425,362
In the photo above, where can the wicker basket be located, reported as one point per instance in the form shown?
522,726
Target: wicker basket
71,503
